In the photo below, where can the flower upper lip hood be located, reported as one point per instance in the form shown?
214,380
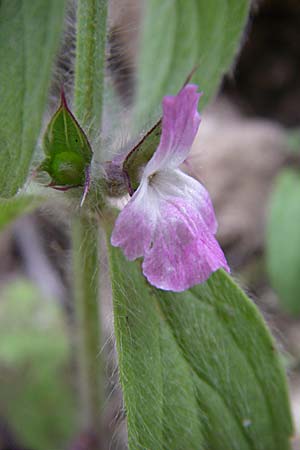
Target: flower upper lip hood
170,220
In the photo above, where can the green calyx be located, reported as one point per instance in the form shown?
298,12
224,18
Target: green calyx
139,156
68,152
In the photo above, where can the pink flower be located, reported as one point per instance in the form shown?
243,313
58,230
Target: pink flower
170,220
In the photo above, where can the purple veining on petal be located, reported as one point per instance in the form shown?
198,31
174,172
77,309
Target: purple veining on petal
180,124
184,251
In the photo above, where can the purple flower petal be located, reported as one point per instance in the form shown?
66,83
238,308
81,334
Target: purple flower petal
184,252
180,124
170,220
177,184
134,226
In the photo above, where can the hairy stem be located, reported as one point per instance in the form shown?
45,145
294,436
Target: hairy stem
88,104
86,276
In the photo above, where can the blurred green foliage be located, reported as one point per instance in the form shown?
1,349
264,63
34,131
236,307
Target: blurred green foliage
283,240
36,393
293,140
16,207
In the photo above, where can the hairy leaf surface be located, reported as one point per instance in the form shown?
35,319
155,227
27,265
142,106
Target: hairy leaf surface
176,36
29,36
198,369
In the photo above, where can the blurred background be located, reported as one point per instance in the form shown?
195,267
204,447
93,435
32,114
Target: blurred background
247,154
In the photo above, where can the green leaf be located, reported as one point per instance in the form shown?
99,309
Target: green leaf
12,209
177,35
283,240
68,152
199,369
29,36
